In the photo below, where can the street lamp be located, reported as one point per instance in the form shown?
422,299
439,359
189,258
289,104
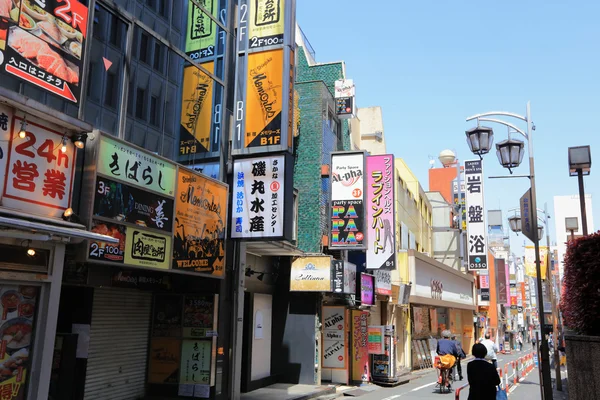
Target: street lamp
510,153
477,138
541,234
572,225
480,139
580,163
515,224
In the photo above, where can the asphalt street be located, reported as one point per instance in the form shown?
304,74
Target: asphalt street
425,386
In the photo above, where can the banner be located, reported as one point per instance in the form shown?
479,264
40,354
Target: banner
267,23
311,274
381,232
44,44
476,230
529,261
201,221
360,353
347,201
201,32
334,337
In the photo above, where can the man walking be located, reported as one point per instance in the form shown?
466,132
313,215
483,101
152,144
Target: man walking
492,348
461,355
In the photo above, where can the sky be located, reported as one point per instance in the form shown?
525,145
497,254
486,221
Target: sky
430,64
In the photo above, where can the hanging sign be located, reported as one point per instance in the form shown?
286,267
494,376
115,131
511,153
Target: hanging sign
381,234
476,229
311,274
383,282
337,275
376,338
349,278
367,289
526,220
344,98
347,201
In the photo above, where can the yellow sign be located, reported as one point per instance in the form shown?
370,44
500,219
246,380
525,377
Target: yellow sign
147,249
196,110
164,360
201,215
311,274
201,31
529,262
267,23
264,98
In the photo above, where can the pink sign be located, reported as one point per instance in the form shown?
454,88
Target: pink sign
367,289
381,234
484,281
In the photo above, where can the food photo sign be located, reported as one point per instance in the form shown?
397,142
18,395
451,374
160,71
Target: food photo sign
42,42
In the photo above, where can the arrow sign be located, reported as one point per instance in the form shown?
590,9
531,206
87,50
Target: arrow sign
107,63
64,92
526,221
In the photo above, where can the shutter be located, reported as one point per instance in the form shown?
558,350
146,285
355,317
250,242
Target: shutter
118,352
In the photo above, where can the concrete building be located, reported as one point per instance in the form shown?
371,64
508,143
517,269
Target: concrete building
367,130
568,206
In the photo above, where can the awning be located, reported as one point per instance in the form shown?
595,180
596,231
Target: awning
273,249
73,231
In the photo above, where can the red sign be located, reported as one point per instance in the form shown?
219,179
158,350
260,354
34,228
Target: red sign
42,42
39,174
484,281
513,300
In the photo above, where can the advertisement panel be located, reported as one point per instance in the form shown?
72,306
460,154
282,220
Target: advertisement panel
337,276
267,23
344,98
201,32
347,201
529,261
38,175
42,43
360,351
195,362
349,278
164,360
383,282
476,230
381,233
311,274
375,343
367,289
201,221
196,110
260,196
147,249
334,337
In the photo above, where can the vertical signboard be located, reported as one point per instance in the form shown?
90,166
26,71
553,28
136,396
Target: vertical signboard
526,220
262,192
381,232
502,281
201,32
337,276
530,264
267,25
360,351
367,289
334,337
347,201
349,278
476,229
344,98
43,44
376,339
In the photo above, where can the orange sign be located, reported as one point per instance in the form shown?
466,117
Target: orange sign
359,350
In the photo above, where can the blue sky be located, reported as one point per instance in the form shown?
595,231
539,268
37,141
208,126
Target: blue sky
430,64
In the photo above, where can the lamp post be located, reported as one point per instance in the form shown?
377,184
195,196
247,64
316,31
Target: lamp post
580,163
509,155
572,225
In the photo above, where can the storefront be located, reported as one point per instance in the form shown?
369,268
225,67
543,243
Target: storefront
441,298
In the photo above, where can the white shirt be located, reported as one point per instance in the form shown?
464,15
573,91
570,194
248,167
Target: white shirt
491,348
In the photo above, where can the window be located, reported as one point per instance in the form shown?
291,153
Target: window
112,87
158,56
144,48
154,117
140,109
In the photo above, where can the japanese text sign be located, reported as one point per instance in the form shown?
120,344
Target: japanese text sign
526,220
266,23
360,351
375,341
383,282
120,161
334,337
311,274
195,361
367,289
201,31
259,197
44,44
344,98
201,212
347,201
476,229
381,249
337,275
39,176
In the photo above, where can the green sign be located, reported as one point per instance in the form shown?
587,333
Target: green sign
201,31
196,357
136,167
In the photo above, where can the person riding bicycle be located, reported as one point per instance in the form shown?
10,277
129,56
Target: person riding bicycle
448,353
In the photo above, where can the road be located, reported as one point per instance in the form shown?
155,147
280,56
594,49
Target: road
425,386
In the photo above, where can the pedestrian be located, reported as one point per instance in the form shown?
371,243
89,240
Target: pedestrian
461,355
520,341
482,376
492,348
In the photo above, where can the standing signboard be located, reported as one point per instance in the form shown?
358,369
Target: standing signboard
44,44
334,337
376,339
347,201
476,229
262,192
380,204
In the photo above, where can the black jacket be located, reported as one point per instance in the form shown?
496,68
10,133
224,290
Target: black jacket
483,379
461,352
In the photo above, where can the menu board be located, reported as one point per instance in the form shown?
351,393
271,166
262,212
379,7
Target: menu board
195,361
42,42
164,360
18,306
198,315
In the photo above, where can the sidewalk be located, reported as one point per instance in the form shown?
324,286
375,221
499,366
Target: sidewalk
286,391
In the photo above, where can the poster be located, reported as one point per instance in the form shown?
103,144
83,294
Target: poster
267,23
418,320
108,252
196,110
334,337
123,203
380,204
259,197
17,327
45,47
383,282
166,316
200,223
529,261
39,175
264,99
347,201
476,230
147,249
376,339
201,32
164,360
360,354
198,315
367,289
311,274
349,278
195,362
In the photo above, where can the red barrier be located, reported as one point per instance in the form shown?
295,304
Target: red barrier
458,390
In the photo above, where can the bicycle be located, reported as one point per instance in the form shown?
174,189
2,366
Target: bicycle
444,383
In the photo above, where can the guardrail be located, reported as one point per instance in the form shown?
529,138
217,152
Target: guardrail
512,373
